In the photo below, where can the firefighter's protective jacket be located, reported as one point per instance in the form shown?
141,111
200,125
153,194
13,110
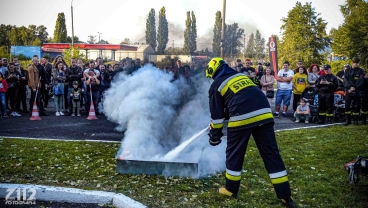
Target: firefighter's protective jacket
233,95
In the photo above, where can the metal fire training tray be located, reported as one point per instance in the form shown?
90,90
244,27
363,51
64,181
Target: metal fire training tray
165,168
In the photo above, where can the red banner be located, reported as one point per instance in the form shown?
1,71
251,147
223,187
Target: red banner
273,55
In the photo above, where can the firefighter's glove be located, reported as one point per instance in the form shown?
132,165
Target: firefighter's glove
215,137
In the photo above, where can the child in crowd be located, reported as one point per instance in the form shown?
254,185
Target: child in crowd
302,112
3,89
76,96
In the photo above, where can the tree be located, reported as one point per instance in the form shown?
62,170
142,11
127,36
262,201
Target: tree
60,32
126,41
231,41
193,34
36,42
217,30
259,46
26,35
151,29
42,33
303,36
74,52
14,37
102,41
76,39
91,39
163,31
250,50
190,34
4,39
350,39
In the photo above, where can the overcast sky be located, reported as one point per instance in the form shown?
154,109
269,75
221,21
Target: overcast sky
119,19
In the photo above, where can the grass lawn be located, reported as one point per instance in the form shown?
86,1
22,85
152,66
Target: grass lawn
314,159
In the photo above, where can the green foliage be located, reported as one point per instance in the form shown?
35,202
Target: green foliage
350,39
303,36
163,32
4,38
190,34
232,43
76,39
314,160
217,30
337,66
259,44
36,42
250,50
60,32
74,52
22,57
4,52
193,34
151,29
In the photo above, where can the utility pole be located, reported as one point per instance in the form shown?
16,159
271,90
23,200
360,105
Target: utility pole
223,28
71,5
99,37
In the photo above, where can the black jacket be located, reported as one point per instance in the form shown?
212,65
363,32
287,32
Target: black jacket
12,82
233,95
330,88
74,74
354,77
42,73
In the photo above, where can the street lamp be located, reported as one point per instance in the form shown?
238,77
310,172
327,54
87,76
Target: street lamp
99,37
71,5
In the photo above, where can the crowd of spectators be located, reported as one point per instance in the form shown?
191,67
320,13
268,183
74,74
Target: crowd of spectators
71,85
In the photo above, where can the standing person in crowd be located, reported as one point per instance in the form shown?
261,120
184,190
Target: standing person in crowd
12,78
93,86
179,67
365,100
299,64
260,73
326,84
322,70
250,72
300,83
4,65
186,74
267,82
105,80
3,69
138,63
99,61
58,59
76,97
48,71
353,83
284,89
43,86
313,75
3,89
302,112
340,75
74,73
33,82
249,114
22,95
59,76
239,67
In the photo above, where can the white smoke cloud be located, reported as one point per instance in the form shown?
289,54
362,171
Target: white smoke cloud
158,114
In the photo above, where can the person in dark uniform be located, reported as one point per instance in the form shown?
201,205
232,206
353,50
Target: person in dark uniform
326,84
233,95
48,71
353,83
365,100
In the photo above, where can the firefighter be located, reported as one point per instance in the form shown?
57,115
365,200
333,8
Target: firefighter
233,95
326,84
365,100
353,82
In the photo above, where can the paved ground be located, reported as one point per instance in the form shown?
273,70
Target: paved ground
79,128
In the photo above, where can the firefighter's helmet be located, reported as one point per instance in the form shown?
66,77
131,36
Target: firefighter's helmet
212,67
